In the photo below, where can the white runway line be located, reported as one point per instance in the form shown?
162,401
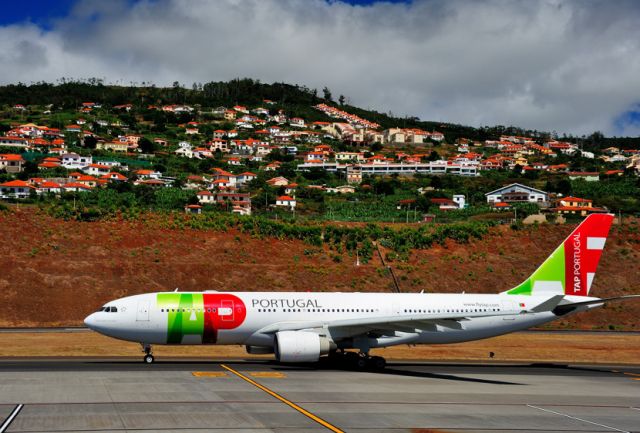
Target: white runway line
7,422
574,417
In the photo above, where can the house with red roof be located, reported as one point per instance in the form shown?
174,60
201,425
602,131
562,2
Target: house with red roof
114,177
96,169
76,187
48,187
205,197
278,181
234,161
16,189
286,201
14,141
245,177
73,161
148,174
11,163
84,179
575,205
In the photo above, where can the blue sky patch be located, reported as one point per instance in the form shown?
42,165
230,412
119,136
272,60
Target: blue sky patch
630,118
45,12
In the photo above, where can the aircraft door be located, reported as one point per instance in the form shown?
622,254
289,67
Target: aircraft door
226,310
509,306
143,311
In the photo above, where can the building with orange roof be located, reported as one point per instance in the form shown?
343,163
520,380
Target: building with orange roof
114,177
286,201
11,163
18,189
575,205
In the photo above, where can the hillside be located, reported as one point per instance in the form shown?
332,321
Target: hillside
296,99
55,272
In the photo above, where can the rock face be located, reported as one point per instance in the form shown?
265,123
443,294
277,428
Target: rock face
55,272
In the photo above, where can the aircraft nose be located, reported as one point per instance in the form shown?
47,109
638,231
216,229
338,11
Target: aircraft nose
90,320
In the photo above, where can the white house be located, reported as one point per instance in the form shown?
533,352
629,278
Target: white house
350,156
518,193
205,197
297,122
460,200
96,169
73,161
148,174
343,189
16,189
245,177
285,200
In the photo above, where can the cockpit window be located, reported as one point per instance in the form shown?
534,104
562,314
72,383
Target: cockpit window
101,309
114,310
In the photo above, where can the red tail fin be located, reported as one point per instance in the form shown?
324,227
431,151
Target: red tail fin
582,251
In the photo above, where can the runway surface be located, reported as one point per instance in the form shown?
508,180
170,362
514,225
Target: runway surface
124,395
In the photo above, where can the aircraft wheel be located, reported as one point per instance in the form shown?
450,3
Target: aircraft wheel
148,359
377,362
361,363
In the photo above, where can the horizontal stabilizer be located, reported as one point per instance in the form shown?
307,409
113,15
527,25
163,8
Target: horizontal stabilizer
563,309
548,305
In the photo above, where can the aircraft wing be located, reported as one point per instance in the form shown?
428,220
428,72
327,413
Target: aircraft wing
425,322
405,322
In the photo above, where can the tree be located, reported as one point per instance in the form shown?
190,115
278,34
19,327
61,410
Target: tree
90,142
341,100
146,146
376,147
327,94
433,156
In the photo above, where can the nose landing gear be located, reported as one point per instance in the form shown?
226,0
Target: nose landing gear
148,357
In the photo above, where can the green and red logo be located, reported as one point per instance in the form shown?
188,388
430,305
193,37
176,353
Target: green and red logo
195,317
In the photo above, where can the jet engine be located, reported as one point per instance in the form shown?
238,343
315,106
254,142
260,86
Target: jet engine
301,346
259,350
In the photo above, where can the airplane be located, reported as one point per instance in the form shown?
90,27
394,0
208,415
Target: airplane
300,327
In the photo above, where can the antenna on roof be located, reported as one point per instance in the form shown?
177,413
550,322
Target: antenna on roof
176,290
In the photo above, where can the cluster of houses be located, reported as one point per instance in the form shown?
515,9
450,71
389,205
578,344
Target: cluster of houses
257,132
85,174
504,198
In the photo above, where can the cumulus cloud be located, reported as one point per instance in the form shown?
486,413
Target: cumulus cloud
569,66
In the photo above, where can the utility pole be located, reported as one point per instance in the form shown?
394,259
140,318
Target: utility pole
393,275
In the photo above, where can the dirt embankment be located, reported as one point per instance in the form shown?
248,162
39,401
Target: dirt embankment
54,272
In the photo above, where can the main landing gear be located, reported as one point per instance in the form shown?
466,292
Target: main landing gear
148,357
357,361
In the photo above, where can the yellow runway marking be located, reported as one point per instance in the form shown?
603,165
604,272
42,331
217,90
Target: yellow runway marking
632,374
272,374
284,400
209,374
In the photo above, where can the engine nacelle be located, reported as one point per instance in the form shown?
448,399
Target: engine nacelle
300,346
259,350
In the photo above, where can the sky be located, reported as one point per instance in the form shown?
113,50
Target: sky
571,66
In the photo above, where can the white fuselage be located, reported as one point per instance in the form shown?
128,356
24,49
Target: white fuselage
245,317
